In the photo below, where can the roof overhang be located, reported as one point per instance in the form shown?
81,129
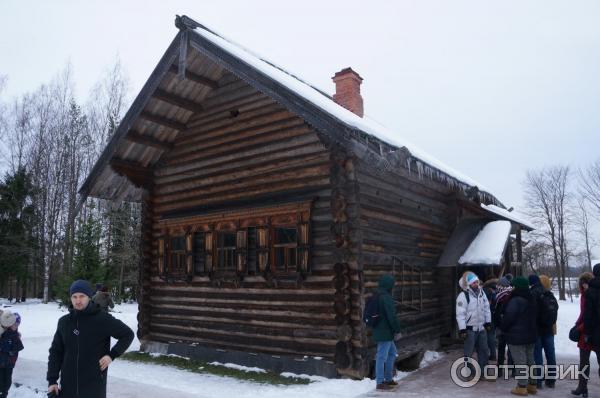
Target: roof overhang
476,242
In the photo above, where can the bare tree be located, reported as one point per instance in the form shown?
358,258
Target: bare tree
590,185
547,199
583,228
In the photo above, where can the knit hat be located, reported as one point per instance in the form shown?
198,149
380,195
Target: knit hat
7,319
533,279
471,278
81,286
18,318
520,283
596,270
509,277
503,282
545,281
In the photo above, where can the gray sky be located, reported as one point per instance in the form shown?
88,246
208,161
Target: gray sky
490,88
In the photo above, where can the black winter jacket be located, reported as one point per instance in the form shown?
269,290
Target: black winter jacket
591,312
81,339
519,322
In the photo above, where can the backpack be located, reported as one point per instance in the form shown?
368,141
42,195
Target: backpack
548,309
371,314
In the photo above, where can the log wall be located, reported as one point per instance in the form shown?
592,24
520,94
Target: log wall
406,220
242,151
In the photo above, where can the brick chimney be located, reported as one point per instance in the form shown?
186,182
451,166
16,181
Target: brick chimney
347,91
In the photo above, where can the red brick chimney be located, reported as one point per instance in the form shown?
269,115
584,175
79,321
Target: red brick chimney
347,91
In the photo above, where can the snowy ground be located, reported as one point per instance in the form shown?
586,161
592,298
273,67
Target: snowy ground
129,379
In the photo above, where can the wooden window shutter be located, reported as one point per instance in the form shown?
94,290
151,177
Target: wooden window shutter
161,257
303,247
241,250
262,234
189,258
208,246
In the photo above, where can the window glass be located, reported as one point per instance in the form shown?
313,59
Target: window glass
226,251
285,247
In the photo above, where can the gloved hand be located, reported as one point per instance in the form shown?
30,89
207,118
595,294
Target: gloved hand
487,326
462,333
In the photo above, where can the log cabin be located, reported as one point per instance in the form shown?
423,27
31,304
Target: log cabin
270,209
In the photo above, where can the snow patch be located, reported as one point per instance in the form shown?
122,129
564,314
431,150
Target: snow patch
509,215
430,357
488,246
238,367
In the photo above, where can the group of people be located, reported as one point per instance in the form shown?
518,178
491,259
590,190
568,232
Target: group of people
520,314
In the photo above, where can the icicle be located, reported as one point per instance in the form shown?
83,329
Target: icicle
408,164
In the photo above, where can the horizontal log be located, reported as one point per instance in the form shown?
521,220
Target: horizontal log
240,193
285,148
163,334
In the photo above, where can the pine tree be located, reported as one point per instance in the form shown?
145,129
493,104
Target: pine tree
87,263
17,220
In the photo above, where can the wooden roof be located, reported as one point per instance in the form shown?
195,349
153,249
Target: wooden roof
168,102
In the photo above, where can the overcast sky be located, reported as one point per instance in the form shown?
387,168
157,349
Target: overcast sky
490,88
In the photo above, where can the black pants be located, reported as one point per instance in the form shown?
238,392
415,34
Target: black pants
5,381
503,351
584,359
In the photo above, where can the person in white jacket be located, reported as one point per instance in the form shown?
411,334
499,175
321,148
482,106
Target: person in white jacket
473,317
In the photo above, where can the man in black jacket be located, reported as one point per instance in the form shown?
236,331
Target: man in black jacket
519,326
80,351
591,315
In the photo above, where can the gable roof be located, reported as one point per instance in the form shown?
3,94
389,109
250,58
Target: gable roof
127,161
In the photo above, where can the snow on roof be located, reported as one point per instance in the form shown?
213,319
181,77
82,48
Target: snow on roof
488,246
509,215
324,101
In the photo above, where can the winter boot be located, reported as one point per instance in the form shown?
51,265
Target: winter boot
391,383
532,389
580,390
384,387
518,390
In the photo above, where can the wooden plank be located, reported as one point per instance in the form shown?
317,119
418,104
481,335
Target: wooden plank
139,175
205,81
175,100
163,121
138,138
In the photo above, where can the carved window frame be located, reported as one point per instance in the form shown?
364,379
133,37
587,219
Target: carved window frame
264,220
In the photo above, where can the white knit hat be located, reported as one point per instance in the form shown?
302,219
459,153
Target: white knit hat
7,319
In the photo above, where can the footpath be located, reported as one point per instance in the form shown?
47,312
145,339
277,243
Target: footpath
435,381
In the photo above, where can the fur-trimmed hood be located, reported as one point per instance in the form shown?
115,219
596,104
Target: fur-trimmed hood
462,282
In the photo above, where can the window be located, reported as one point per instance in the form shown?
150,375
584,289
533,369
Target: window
199,253
177,258
259,241
226,251
285,248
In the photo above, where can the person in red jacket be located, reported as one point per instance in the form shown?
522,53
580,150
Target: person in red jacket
585,348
